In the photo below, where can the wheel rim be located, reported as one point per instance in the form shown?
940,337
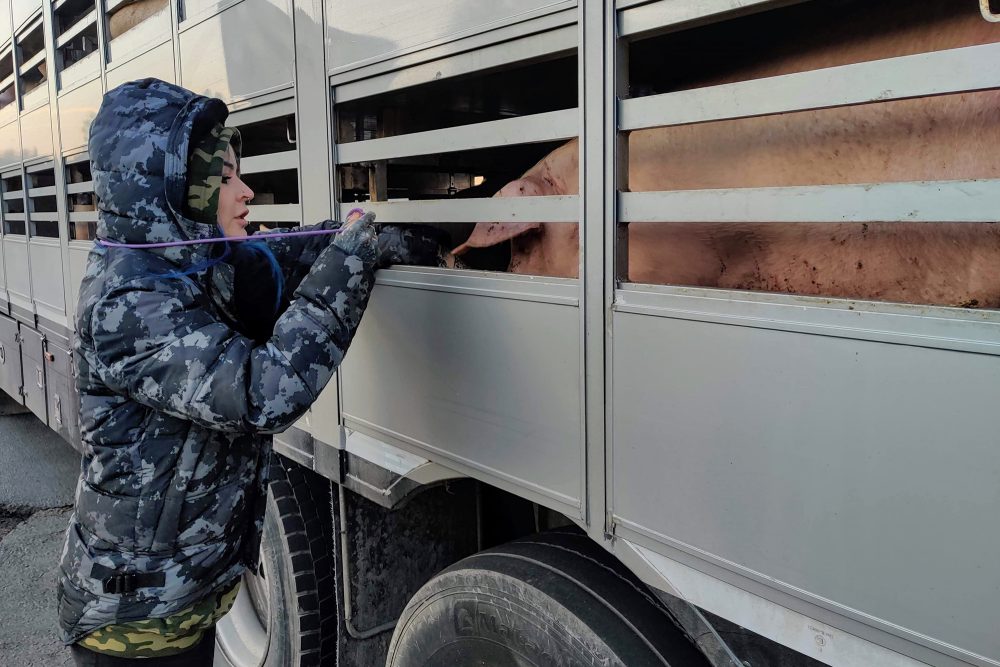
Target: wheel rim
242,634
258,591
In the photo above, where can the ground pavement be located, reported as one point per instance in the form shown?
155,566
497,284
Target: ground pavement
38,472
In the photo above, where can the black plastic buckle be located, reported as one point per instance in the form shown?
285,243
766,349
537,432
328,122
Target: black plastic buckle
120,584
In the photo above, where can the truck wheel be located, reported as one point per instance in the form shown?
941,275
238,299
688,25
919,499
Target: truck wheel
546,600
276,620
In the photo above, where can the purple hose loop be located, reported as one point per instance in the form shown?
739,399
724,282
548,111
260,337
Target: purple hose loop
223,239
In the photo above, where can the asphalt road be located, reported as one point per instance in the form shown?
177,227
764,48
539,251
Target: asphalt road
38,472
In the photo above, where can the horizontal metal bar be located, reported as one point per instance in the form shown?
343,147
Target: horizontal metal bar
29,26
10,217
405,73
256,114
14,194
939,73
44,165
44,216
31,62
112,5
625,4
549,126
47,191
57,5
271,162
74,30
83,216
7,82
560,291
675,15
560,208
919,201
275,213
77,158
80,188
919,325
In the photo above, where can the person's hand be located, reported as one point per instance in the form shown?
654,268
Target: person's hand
416,245
358,237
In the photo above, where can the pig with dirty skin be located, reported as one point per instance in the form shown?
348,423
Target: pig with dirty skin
949,137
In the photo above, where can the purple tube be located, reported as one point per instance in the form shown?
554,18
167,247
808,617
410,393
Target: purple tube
222,239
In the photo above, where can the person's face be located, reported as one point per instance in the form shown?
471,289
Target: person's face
233,197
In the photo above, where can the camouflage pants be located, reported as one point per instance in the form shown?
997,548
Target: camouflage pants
202,655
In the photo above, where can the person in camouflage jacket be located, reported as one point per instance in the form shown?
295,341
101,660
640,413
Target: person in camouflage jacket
177,405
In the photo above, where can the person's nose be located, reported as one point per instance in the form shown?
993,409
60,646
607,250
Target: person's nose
247,193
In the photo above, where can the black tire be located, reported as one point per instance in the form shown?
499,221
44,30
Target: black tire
549,600
278,618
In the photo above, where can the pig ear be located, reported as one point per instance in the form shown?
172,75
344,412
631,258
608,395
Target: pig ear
488,234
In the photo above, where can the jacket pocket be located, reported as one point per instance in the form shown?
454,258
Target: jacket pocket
213,515
109,517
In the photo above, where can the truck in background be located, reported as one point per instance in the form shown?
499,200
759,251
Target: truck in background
533,470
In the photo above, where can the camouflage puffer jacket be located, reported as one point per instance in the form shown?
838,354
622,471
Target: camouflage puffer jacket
176,406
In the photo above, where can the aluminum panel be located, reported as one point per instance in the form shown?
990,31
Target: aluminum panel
33,372
5,27
818,464
63,400
15,255
828,644
47,275
244,51
3,277
390,26
35,98
36,133
10,144
158,62
77,109
83,70
490,385
77,267
10,358
22,10
8,114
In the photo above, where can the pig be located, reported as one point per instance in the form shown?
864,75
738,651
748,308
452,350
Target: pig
131,14
950,137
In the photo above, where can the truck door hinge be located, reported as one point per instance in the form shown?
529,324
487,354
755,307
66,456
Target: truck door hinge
609,526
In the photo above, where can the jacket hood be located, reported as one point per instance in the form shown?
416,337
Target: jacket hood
139,145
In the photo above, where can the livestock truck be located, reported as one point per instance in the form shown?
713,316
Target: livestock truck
714,382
